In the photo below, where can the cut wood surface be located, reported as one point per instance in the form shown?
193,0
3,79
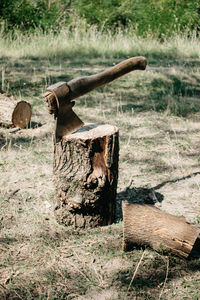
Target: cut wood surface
14,113
85,176
146,225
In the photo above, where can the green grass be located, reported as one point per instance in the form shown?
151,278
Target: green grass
81,43
157,112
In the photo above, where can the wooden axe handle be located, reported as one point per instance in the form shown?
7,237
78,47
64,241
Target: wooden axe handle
64,92
83,85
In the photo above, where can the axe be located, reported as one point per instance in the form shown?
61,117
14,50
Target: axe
59,96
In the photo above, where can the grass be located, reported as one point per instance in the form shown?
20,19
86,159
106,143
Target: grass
84,43
157,112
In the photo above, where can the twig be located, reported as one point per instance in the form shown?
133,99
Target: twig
83,274
141,258
11,194
166,276
75,295
2,78
99,276
125,189
130,183
14,130
19,297
3,287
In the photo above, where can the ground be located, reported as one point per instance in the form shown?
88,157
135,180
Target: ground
158,118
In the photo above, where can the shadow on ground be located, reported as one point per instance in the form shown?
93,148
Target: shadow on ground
154,272
7,135
64,270
144,195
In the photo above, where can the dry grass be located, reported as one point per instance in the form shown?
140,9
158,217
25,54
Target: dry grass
88,42
159,151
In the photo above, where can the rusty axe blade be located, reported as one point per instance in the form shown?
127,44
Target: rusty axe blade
67,122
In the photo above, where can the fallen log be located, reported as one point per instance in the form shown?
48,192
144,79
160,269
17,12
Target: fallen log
14,113
85,176
146,225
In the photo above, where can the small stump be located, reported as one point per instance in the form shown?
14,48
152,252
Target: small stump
85,176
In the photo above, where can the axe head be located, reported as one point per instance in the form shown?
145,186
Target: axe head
67,121
59,104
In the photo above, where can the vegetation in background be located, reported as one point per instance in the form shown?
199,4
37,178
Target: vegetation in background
149,17
157,18
83,41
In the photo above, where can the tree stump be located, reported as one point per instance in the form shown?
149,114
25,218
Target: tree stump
85,176
146,225
14,113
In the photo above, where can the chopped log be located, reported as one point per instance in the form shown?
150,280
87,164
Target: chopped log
14,113
85,176
146,225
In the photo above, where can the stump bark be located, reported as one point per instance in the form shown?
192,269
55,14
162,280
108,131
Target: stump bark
14,113
85,176
146,225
